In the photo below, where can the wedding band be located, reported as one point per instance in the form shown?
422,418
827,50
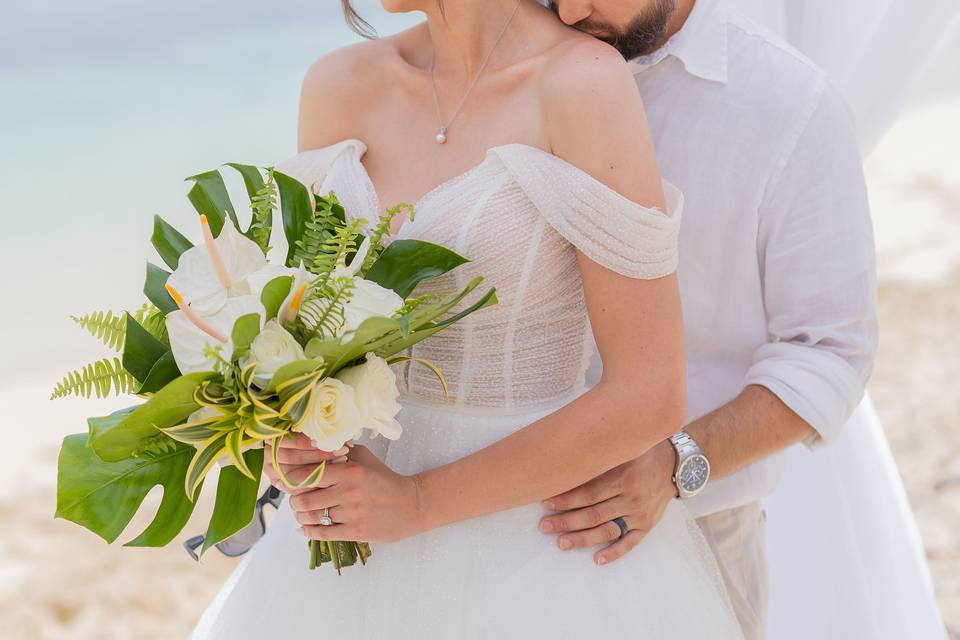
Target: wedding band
325,519
620,522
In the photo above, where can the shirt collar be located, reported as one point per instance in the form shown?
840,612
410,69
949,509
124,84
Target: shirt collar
701,44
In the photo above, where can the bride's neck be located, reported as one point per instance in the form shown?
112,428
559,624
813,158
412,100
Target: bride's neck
465,32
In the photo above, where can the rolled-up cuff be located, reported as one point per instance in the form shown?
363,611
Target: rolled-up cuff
817,385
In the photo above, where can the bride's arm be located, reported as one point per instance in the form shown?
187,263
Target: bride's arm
594,120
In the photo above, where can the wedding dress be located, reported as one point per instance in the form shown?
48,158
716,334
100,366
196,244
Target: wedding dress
517,216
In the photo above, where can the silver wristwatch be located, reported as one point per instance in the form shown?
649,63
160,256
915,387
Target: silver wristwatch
692,470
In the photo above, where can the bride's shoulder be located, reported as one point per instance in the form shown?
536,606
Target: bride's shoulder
337,87
595,120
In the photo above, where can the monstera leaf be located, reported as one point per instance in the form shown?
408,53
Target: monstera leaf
104,496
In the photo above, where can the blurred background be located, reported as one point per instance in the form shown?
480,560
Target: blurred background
105,106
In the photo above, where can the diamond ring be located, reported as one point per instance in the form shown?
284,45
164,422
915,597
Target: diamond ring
325,519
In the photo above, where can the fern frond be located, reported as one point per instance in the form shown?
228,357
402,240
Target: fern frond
156,445
322,312
382,230
412,303
111,329
334,251
102,377
327,217
263,204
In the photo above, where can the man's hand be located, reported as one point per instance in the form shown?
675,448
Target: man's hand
637,491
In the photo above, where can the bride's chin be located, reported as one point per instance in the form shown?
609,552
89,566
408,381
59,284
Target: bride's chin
404,6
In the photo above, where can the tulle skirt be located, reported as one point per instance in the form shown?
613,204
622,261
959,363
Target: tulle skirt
845,557
490,577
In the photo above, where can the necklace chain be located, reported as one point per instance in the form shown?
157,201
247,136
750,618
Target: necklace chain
445,126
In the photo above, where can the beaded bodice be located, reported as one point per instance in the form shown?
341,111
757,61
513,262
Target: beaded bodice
518,216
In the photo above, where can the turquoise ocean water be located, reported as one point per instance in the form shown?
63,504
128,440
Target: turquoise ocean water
105,107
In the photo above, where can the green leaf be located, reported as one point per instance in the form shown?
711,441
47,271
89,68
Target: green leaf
236,499
274,293
210,198
405,263
141,350
163,372
104,496
292,370
296,210
252,179
116,439
168,242
154,289
245,329
371,332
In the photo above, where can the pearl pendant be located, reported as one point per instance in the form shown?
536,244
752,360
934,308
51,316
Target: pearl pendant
442,136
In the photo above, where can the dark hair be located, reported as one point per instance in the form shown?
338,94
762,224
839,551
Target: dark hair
361,26
358,24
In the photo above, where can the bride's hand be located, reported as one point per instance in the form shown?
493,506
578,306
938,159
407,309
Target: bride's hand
298,458
367,502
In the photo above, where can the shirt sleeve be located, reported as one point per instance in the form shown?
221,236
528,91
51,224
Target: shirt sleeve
816,251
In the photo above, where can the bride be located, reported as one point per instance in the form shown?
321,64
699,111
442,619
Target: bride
520,144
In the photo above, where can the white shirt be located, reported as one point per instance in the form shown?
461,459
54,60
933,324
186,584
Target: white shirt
777,268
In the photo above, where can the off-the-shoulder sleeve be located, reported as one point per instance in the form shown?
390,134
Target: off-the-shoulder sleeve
311,166
610,229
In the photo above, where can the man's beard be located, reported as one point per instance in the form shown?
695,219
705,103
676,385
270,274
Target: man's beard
642,36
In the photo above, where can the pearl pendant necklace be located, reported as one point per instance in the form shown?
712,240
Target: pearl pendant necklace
441,137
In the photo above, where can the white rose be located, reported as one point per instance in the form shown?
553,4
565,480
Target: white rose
332,417
376,391
367,300
271,349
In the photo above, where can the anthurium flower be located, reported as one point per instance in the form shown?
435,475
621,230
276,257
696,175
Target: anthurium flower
192,336
210,273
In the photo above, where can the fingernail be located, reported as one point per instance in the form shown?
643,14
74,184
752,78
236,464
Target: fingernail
546,526
548,504
601,560
565,543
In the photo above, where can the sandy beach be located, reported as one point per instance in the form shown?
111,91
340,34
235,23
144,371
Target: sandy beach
59,581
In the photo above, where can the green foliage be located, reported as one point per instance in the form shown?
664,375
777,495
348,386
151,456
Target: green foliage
337,247
210,198
140,350
322,311
104,496
110,328
236,499
245,329
296,210
273,295
405,263
168,242
102,378
117,437
412,303
263,203
382,230
154,289
318,229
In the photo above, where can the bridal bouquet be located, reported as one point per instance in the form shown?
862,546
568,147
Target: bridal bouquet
233,351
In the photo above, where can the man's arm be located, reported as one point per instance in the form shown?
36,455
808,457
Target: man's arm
754,425
815,250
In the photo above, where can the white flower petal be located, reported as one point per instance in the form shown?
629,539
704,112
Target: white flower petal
188,342
241,255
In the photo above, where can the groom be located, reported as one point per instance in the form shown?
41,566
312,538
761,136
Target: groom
776,275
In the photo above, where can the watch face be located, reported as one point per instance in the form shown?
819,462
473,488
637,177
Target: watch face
694,474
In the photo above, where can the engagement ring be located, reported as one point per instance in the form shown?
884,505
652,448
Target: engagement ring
325,519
